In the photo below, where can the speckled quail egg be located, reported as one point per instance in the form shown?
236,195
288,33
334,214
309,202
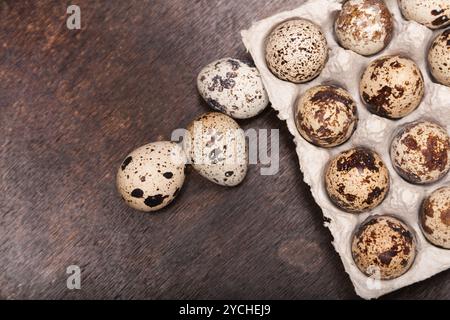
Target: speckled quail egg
364,26
435,218
384,248
233,87
434,14
420,152
326,116
151,176
392,87
216,147
296,51
357,180
439,58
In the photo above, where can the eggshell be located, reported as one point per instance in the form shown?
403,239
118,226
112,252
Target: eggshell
151,176
233,87
392,87
439,58
420,152
296,51
326,116
217,149
384,248
357,180
435,218
364,26
434,14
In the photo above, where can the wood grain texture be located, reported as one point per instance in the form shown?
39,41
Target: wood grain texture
74,103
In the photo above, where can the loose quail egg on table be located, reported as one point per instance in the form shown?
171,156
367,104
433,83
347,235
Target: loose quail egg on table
357,180
364,26
434,14
216,147
435,217
151,176
233,87
392,87
326,116
296,51
420,152
384,248
439,58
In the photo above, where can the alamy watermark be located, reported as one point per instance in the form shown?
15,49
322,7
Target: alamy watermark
73,22
208,146
373,282
74,279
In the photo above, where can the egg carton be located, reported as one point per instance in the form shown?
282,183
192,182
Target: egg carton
345,68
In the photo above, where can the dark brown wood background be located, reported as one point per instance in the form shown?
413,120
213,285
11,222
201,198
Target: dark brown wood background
74,103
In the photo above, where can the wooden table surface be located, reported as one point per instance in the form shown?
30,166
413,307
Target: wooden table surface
74,103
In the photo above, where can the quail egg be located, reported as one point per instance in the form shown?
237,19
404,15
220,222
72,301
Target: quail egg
435,218
434,14
217,149
392,87
420,152
439,58
326,116
233,87
364,26
151,176
296,51
384,248
357,180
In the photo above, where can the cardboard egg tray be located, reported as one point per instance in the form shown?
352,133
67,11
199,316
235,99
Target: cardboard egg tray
344,68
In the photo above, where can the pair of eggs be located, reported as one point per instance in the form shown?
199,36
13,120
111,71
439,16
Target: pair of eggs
358,180
297,50
384,247
151,177
391,87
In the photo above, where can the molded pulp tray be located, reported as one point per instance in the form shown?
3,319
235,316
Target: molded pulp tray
344,68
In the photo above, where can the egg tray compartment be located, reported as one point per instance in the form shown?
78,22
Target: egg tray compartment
344,68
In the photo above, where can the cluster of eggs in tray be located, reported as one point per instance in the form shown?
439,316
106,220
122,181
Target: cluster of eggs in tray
378,144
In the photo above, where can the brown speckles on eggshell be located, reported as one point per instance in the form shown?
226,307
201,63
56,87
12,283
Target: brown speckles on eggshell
410,142
434,14
439,58
126,162
139,179
326,116
359,159
357,180
420,152
296,51
137,193
435,217
365,27
383,247
168,175
445,216
217,149
392,87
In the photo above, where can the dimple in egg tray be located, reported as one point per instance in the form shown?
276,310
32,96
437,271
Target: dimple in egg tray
345,68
